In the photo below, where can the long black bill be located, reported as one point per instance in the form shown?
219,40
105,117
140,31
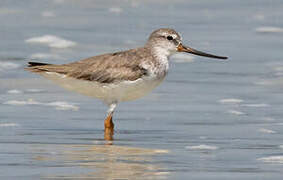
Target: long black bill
182,48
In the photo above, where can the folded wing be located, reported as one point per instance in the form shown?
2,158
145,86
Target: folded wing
107,68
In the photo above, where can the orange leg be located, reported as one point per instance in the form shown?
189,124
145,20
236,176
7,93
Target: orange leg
108,128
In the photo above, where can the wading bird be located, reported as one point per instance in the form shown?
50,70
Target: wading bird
120,76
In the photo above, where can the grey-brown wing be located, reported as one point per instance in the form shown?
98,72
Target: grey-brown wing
107,68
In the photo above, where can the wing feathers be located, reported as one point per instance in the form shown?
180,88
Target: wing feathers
107,68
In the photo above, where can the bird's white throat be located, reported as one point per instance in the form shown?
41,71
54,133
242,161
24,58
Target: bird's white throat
162,56
161,52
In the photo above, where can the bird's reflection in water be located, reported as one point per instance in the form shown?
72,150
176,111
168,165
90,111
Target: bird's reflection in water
99,162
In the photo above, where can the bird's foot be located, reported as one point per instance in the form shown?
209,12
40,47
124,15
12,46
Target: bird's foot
108,128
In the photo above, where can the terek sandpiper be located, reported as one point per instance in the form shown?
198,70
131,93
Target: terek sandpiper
120,76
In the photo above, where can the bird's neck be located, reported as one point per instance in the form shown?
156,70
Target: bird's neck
161,53
161,56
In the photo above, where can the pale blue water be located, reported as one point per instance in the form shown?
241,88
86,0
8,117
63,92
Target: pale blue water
208,120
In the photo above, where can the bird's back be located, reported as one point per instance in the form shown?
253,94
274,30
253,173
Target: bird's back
106,68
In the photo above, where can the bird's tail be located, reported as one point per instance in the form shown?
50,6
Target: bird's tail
31,64
37,67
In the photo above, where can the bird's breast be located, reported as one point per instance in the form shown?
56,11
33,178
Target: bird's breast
157,69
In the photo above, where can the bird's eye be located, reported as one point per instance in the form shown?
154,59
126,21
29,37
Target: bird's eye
169,38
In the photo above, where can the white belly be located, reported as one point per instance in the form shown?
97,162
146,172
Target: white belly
123,91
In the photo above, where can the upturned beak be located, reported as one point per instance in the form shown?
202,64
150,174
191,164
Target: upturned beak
182,48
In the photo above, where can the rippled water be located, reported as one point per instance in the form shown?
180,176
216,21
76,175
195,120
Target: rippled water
208,120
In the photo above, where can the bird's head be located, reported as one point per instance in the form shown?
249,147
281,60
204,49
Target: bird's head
168,42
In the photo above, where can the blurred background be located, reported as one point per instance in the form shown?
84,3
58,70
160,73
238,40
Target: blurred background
208,120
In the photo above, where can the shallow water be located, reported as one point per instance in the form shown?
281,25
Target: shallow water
208,120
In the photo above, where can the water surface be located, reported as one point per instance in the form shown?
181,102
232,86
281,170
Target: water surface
208,120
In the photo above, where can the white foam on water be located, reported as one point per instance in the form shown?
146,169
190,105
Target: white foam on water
116,10
59,105
34,90
48,14
52,41
4,65
235,112
272,159
202,147
44,56
261,105
21,103
8,124
14,91
231,101
182,58
269,29
267,131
